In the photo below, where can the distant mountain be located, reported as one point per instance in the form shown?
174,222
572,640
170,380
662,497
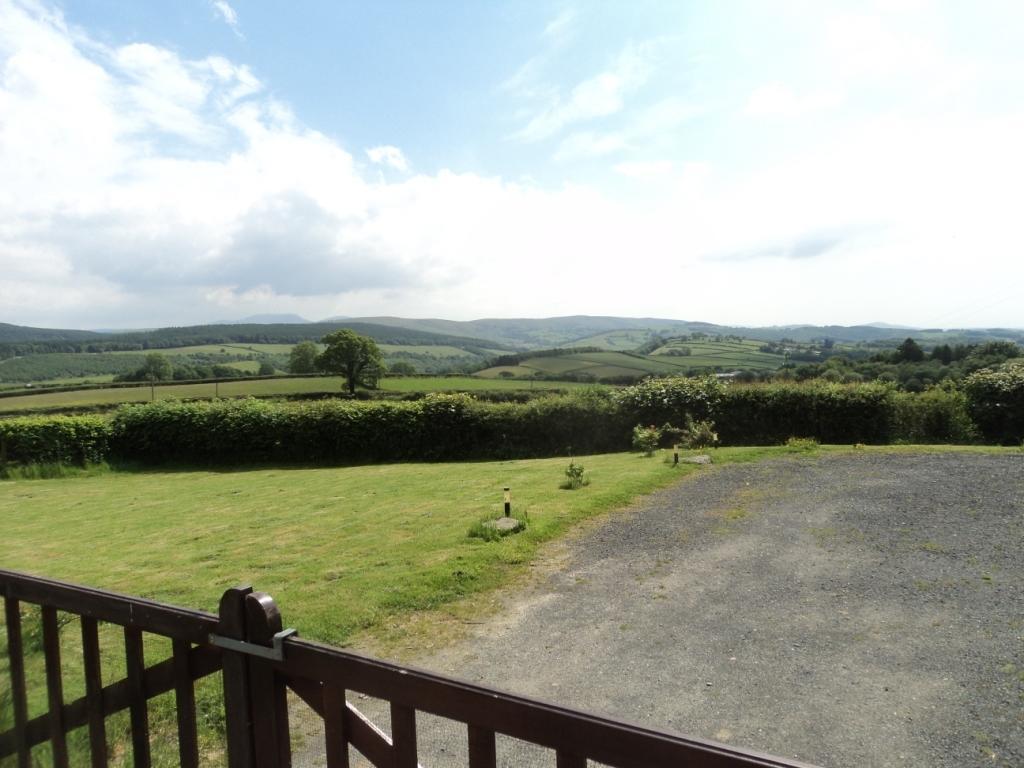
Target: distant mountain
267,320
890,326
541,333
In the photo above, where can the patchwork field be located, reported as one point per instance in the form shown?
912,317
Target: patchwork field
723,354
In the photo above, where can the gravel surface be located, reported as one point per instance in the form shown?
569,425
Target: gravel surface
854,610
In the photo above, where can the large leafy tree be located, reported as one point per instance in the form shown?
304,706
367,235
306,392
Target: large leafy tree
303,357
355,357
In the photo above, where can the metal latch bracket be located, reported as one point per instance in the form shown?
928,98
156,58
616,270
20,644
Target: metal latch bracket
274,652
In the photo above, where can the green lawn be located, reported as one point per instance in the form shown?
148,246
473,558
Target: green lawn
341,549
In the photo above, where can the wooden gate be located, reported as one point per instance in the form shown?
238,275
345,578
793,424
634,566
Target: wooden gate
259,661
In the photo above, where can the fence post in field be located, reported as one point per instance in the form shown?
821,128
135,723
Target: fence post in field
269,699
236,680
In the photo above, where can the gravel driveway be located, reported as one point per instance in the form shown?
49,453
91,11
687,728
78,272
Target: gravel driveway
853,610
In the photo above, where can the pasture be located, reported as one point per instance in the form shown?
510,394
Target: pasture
87,398
708,353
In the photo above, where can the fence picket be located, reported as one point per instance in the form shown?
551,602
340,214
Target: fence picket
16,663
482,748
403,735
185,704
94,692
136,669
335,732
54,687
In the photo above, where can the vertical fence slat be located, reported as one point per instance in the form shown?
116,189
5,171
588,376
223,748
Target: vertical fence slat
482,748
136,665
269,697
54,687
335,734
16,660
403,735
185,704
569,760
94,692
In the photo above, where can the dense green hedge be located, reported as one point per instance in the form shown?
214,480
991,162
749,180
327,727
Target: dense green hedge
54,440
995,400
458,426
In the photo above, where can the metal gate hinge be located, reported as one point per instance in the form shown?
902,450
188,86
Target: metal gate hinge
274,653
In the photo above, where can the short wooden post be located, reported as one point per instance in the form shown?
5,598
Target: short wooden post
268,695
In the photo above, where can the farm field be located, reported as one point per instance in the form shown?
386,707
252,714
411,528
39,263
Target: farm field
258,388
724,354
597,364
614,340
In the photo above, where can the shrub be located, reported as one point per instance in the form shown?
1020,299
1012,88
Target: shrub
802,444
995,400
831,413
672,399
646,439
574,476
700,434
938,415
57,440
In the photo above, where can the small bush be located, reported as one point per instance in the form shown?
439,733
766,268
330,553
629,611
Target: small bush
646,439
700,434
574,477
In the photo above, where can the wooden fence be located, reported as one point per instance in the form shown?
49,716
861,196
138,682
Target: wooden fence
259,661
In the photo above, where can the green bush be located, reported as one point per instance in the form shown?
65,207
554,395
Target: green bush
57,440
672,399
646,439
995,400
937,415
830,413
575,476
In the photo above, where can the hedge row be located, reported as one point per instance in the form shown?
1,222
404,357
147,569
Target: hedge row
458,426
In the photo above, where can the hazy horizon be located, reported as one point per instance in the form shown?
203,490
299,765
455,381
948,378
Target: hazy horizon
743,164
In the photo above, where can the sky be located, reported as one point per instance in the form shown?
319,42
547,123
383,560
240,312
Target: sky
744,163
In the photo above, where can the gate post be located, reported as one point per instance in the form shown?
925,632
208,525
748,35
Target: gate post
236,680
268,695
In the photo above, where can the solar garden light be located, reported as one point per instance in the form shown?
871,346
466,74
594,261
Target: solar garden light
508,501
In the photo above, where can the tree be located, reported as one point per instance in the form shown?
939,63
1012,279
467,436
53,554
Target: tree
303,357
909,352
355,357
267,368
156,368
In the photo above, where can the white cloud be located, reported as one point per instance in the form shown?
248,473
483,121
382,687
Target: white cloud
227,14
142,188
777,100
390,156
602,95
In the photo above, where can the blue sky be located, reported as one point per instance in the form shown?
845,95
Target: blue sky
735,162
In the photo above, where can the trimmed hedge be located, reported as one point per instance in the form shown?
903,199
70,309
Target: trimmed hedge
995,400
830,413
75,440
446,426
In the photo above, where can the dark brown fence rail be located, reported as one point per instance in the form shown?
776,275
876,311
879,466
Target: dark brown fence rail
259,661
